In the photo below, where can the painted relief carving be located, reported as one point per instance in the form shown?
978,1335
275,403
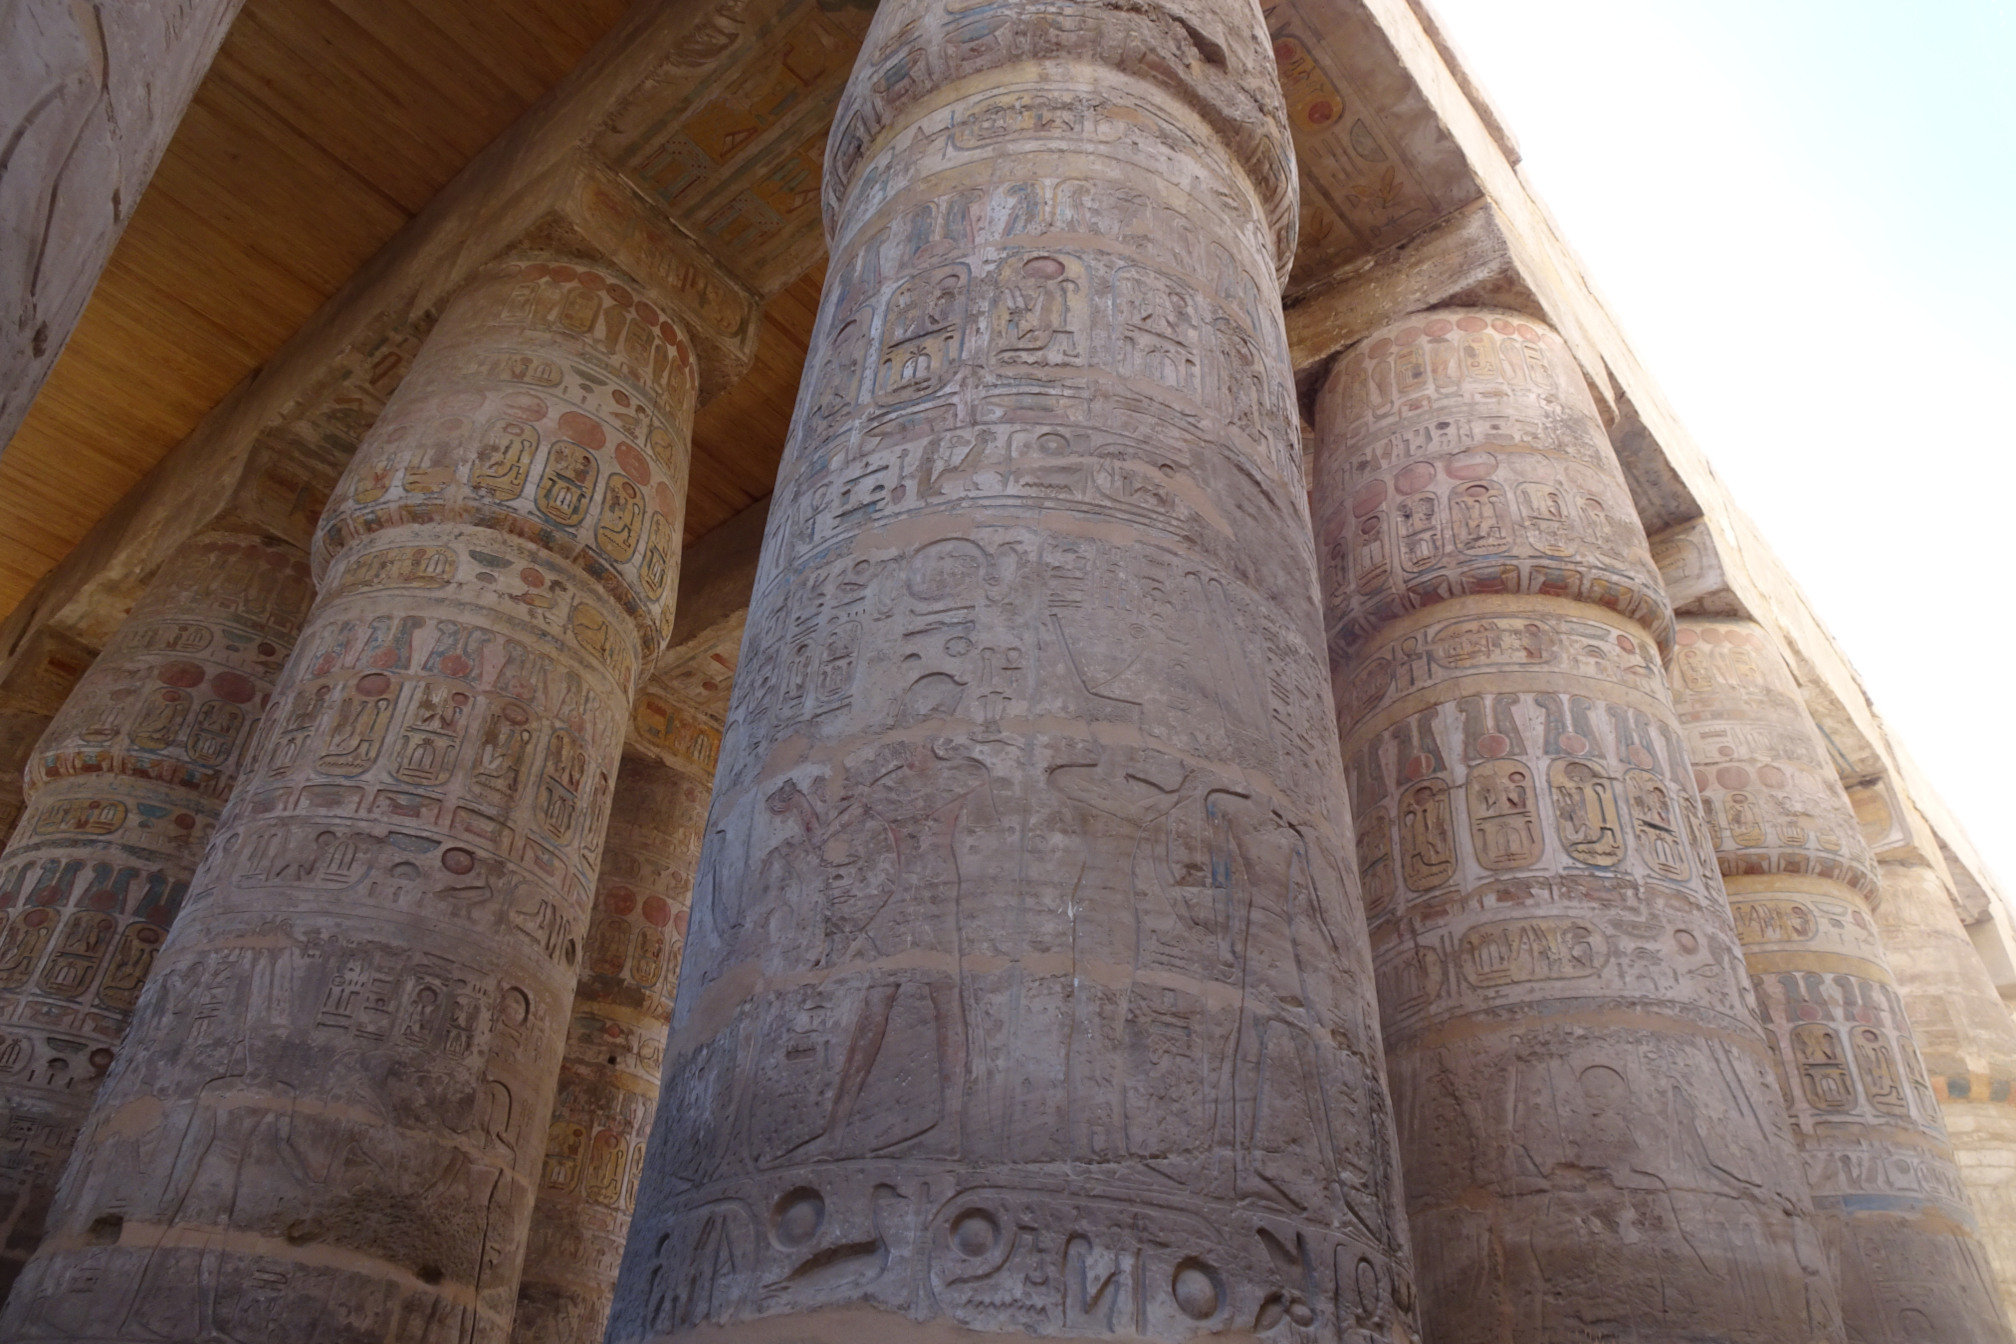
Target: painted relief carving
1495,635
1893,1210
352,1037
1025,851
124,789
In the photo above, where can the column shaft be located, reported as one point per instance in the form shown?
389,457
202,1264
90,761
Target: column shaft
90,92
1026,990
615,1054
330,1116
1968,1042
1587,1125
123,791
1888,1198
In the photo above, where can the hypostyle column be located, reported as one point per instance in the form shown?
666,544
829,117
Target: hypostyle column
123,790
1026,990
90,93
1967,1040
1888,1198
615,1054
328,1119
1590,1135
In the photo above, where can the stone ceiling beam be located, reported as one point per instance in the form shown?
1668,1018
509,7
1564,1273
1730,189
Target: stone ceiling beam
90,94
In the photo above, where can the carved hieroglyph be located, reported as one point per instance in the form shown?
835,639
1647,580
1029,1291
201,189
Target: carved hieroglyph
123,791
1967,1041
90,92
1026,989
1887,1196
1588,1126
328,1120
615,1054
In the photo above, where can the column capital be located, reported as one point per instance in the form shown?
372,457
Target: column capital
1214,63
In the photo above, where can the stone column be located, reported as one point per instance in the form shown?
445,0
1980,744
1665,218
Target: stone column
90,92
122,792
1587,1123
330,1112
1888,1198
1967,1041
1026,990
615,1054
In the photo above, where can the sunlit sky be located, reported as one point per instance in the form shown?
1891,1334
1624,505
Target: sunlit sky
1804,217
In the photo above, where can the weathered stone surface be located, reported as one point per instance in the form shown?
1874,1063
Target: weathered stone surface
615,1054
123,791
329,1116
90,91
1587,1123
1026,989
1967,1040
1888,1198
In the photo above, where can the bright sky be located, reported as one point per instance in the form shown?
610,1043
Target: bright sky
1803,213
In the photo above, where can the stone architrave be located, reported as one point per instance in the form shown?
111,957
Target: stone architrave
123,790
329,1117
1026,990
615,1054
1588,1127
90,92
1888,1198
1967,1040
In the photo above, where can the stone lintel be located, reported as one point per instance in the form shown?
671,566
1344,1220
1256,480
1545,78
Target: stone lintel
1661,494
1691,564
1461,259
